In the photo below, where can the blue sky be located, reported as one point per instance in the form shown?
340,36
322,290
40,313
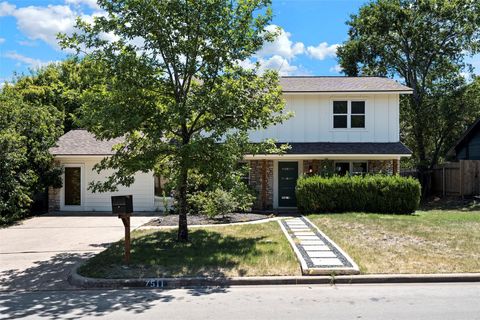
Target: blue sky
311,30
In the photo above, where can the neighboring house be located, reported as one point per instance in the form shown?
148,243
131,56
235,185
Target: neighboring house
468,146
345,124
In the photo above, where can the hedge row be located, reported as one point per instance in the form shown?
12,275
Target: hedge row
371,193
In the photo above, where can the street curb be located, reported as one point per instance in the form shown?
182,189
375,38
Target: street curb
170,283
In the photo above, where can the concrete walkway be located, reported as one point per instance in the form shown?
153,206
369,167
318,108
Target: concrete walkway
316,253
39,253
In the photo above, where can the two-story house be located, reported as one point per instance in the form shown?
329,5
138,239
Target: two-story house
340,124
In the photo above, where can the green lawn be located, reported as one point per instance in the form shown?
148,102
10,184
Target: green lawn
242,250
434,241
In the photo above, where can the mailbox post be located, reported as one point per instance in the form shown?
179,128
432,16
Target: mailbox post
123,207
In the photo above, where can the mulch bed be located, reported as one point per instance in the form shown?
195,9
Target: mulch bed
451,203
172,219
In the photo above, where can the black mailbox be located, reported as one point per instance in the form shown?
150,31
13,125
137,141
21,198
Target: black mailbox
122,205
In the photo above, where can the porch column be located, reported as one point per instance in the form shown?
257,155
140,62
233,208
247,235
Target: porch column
264,184
395,166
261,179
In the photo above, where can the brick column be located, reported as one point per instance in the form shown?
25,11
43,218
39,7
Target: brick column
54,195
53,199
396,166
261,179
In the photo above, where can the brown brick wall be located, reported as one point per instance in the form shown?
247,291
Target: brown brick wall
54,195
261,174
318,166
381,166
53,199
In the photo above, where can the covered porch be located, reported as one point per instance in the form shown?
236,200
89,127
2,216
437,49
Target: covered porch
274,176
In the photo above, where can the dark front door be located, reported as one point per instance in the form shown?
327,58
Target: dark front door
287,180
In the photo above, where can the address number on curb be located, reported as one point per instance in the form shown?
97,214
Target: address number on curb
155,283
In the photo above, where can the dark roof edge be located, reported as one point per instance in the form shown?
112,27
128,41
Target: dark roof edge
336,77
452,151
83,154
331,91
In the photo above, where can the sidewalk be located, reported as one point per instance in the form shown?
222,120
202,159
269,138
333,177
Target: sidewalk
317,254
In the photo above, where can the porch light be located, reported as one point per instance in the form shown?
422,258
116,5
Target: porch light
310,169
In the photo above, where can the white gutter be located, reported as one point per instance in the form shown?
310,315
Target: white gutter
325,156
339,93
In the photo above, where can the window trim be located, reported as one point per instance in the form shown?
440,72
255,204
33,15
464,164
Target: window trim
349,114
66,207
350,165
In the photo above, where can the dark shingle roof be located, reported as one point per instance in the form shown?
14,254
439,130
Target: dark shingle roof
348,148
464,138
82,142
341,84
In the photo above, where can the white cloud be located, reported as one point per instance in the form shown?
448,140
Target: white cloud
6,9
322,51
336,69
278,54
2,40
27,43
276,62
282,45
31,62
44,23
89,3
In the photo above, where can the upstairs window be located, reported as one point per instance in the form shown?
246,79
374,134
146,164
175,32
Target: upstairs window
340,114
348,114
357,114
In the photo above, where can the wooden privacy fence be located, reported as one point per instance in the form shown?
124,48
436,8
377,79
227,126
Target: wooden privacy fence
460,178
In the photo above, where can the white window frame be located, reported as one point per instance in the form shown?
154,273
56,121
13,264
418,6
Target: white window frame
63,206
350,165
348,114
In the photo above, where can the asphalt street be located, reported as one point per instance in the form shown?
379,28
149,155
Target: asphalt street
401,301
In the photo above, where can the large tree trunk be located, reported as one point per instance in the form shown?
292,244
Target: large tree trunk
182,205
419,133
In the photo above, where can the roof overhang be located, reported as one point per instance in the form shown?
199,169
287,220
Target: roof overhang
339,93
81,155
324,156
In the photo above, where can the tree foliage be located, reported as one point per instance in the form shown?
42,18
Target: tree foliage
423,43
56,84
27,131
170,83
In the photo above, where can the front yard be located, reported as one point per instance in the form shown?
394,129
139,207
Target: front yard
433,241
437,241
242,250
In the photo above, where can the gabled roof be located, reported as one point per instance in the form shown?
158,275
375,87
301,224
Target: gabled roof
464,138
298,84
83,143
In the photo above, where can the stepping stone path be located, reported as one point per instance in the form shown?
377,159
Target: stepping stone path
317,253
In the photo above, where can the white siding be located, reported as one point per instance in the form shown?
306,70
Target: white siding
312,120
142,189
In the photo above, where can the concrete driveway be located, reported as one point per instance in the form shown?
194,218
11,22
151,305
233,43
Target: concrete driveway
39,253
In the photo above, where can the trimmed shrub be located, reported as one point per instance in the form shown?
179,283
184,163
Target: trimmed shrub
371,193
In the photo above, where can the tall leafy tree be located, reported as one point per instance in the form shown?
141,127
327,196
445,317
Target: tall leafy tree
423,43
27,131
165,75
56,84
